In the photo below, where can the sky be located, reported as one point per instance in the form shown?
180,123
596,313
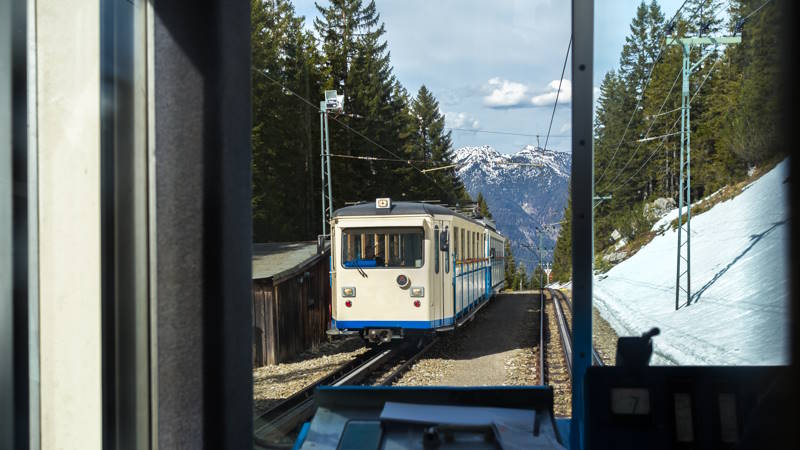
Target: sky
495,66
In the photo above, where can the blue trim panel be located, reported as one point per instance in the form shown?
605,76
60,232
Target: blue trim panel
353,387
408,324
302,436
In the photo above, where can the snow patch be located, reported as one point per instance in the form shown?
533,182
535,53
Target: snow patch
740,283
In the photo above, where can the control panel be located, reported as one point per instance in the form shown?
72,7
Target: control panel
675,407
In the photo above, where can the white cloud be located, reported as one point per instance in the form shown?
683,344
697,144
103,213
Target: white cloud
505,94
566,127
549,96
461,120
511,94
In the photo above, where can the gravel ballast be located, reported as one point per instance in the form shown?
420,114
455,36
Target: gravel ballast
272,384
498,348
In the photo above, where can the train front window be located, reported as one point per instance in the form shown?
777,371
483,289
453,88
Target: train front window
382,247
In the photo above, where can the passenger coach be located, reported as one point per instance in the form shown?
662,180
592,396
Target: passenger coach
410,268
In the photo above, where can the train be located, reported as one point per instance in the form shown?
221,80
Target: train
401,269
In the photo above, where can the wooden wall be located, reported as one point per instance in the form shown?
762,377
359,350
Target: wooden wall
290,314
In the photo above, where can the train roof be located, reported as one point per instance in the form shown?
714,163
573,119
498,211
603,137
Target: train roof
405,209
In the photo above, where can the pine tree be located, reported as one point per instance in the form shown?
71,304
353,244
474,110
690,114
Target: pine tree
284,136
510,268
430,143
483,208
753,134
538,278
562,254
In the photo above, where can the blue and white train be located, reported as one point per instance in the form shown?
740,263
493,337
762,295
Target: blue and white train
410,268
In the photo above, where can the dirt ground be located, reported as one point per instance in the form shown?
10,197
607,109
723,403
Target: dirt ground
498,348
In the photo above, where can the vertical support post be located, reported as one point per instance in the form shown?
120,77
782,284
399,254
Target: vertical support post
322,167
582,221
328,168
684,194
685,93
685,169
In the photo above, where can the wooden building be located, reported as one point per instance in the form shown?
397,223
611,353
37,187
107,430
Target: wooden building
291,298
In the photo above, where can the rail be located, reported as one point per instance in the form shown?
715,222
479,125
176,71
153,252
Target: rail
566,337
272,427
542,345
596,360
400,370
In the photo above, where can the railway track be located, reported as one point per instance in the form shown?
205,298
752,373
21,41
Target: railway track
276,427
556,355
564,310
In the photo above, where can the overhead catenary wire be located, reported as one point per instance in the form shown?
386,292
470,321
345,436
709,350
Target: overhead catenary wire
439,167
656,150
755,11
667,134
558,92
653,138
377,158
641,94
349,128
510,133
645,139
636,150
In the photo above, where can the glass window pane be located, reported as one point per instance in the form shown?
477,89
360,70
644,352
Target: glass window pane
691,217
361,248
436,249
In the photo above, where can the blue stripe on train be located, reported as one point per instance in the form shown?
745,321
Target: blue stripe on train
409,324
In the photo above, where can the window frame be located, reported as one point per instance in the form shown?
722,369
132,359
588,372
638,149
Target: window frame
343,231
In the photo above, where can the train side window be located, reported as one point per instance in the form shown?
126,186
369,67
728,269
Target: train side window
436,249
456,240
461,253
447,252
472,247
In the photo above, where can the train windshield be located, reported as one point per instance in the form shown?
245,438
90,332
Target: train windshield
367,248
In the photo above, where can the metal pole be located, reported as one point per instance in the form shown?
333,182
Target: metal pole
688,180
322,167
685,172
684,100
328,157
582,192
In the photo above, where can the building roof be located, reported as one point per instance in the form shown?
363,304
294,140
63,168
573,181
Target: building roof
279,259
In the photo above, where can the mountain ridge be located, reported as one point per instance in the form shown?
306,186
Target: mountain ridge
524,190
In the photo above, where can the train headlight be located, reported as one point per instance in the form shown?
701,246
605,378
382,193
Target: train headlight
402,281
418,291
348,292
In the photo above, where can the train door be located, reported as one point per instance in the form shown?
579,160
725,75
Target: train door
441,267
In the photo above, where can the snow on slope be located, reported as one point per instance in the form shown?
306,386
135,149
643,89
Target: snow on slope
740,283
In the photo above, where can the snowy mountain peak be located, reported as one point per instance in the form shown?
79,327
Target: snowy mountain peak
524,190
529,161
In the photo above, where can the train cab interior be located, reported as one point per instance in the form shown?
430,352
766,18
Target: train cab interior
126,260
